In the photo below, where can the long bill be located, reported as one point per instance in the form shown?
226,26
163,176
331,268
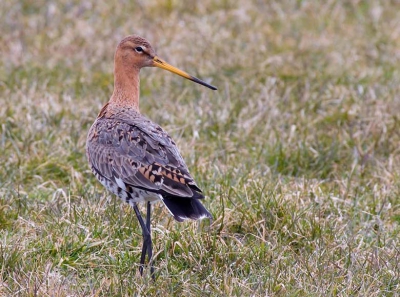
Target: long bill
164,65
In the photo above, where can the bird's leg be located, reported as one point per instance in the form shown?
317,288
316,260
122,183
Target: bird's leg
148,216
148,248
150,245
146,238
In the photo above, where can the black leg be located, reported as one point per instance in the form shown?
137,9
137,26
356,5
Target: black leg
147,244
148,216
150,245
146,237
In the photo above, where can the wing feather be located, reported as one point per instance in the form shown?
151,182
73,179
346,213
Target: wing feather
132,148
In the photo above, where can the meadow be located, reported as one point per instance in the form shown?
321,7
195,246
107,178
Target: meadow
298,152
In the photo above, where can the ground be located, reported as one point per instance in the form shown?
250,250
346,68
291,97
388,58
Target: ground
297,152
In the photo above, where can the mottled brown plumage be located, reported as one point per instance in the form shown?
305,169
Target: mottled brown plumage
135,158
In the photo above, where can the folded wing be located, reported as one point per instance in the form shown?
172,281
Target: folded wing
133,150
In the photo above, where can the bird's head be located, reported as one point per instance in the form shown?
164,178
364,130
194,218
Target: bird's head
136,52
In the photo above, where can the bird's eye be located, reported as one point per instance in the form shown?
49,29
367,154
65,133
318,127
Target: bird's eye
139,49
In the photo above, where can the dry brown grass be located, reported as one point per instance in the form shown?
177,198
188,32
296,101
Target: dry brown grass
298,151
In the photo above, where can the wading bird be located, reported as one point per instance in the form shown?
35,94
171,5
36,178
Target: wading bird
135,158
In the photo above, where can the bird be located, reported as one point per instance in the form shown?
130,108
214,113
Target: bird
133,157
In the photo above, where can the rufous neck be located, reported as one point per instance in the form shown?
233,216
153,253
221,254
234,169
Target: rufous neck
126,85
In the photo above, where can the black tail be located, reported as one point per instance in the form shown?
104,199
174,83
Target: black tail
186,208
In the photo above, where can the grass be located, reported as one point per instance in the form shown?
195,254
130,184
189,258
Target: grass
297,152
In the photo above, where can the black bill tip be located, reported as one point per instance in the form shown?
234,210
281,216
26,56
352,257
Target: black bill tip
199,81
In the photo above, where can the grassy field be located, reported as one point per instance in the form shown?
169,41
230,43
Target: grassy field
298,152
